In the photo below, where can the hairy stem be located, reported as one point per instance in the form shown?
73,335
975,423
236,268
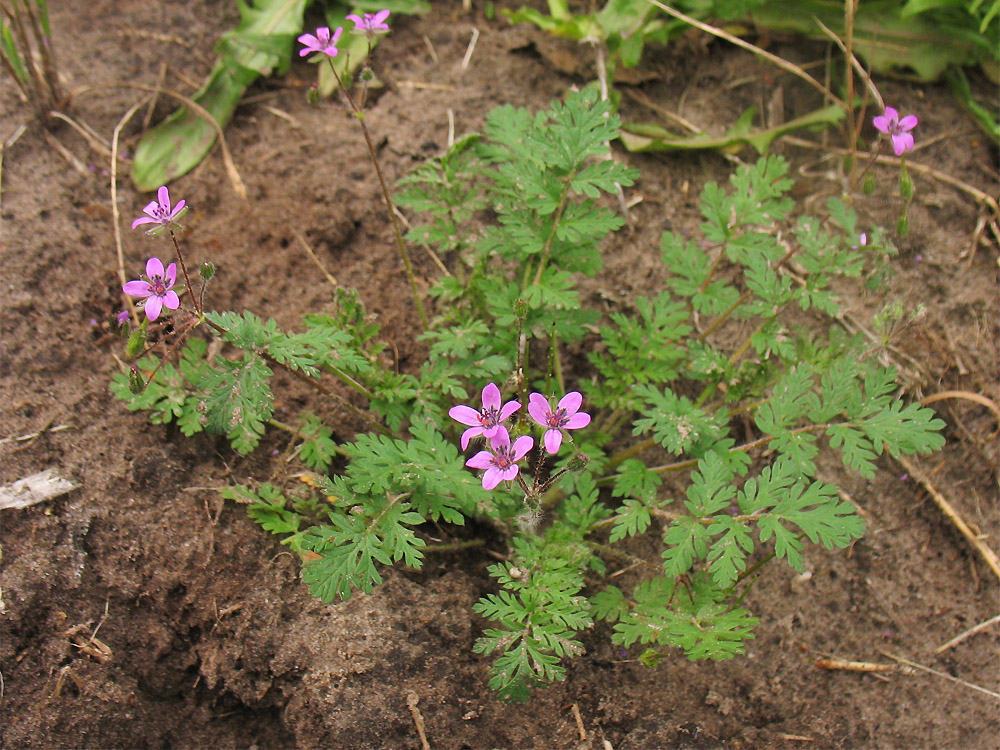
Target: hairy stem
396,228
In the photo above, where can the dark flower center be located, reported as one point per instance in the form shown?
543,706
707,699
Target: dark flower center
489,417
557,419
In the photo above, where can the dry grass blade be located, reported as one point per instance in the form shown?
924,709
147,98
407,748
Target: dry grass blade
968,396
938,673
780,62
967,634
115,214
988,555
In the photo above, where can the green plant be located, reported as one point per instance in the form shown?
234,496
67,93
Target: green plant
733,340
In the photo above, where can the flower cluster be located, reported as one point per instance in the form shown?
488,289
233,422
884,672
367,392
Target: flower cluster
897,129
501,457
325,42
157,286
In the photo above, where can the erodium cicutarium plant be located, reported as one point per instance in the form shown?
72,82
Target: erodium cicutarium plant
643,481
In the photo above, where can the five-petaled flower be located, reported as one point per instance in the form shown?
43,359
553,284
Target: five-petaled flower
486,421
566,416
501,460
157,290
898,130
372,23
322,41
159,211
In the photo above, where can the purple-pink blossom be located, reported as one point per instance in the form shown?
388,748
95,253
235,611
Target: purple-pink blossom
159,211
898,130
322,41
501,460
486,421
372,23
566,416
156,288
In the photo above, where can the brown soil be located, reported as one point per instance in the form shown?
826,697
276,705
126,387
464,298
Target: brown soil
213,640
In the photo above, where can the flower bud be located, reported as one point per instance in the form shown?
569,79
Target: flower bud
521,308
136,383
903,226
136,343
905,185
207,270
868,185
312,94
578,462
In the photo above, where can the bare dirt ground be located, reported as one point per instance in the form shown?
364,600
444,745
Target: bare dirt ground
212,641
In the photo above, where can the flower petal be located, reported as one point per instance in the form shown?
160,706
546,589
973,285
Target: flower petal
553,439
881,123
465,415
521,447
178,208
507,410
492,478
356,19
336,35
491,396
170,275
381,16
153,306
163,198
143,220
469,434
538,409
482,460
578,420
154,268
138,288
571,402
501,440
891,114
909,122
171,300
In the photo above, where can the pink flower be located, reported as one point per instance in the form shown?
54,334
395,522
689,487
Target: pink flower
501,460
898,130
157,289
323,41
372,23
486,421
159,212
566,416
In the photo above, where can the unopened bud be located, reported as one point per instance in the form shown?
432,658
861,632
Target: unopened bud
650,657
868,184
312,94
136,383
207,270
521,308
905,185
903,226
578,462
136,343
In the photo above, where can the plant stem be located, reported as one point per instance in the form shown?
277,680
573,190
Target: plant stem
556,218
397,230
187,279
